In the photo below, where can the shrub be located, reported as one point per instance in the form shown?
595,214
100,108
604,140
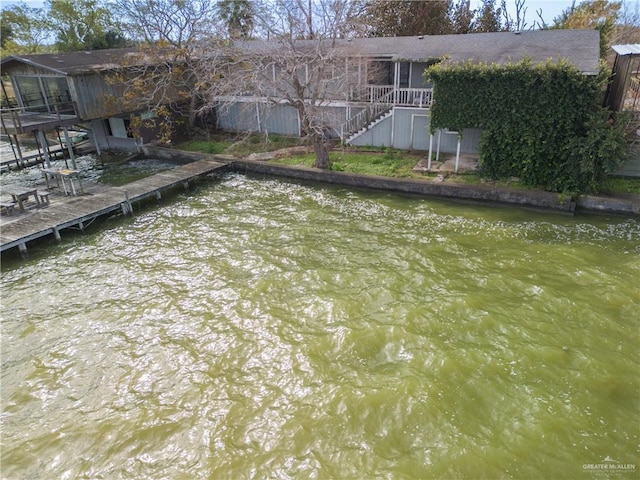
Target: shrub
541,123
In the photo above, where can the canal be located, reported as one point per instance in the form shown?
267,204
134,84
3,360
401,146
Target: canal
259,328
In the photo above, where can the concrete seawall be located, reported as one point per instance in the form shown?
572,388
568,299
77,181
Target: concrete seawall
619,204
479,193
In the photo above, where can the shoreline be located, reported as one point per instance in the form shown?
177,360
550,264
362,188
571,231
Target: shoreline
626,205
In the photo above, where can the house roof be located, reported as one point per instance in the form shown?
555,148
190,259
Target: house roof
74,63
579,47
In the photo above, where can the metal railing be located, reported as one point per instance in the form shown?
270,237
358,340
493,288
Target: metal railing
37,102
13,115
364,118
381,99
368,115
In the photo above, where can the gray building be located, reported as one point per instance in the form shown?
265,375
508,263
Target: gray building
385,103
81,89
390,105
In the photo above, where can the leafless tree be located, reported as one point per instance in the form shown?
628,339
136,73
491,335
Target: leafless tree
518,21
159,76
627,28
168,22
156,82
304,73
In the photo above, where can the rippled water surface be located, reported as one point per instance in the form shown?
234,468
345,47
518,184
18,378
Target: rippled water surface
92,169
263,329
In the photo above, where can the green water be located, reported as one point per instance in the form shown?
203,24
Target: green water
263,329
91,169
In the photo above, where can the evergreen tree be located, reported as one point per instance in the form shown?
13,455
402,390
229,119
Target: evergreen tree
388,18
238,15
488,17
461,16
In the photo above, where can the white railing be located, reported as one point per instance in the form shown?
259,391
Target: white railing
376,93
367,116
409,97
381,99
413,97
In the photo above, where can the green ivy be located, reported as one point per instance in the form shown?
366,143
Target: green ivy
542,123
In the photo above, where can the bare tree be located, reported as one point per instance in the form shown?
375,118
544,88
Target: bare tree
627,28
518,21
167,22
304,73
158,83
160,76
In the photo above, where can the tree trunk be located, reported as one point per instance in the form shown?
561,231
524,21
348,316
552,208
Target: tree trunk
322,153
192,112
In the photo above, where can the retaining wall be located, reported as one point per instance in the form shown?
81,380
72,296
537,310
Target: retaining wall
481,193
619,204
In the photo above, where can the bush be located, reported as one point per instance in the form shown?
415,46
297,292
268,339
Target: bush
541,123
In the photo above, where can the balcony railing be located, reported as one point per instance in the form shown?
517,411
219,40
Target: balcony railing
16,119
409,97
367,116
381,99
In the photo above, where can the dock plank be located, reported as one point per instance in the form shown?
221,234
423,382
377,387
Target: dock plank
65,211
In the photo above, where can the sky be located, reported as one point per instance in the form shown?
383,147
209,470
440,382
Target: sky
550,8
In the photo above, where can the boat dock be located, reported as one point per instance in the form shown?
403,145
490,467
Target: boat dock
13,155
63,211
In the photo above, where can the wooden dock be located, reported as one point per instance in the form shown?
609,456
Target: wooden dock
34,157
75,211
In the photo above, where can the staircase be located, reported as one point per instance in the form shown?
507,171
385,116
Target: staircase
364,120
383,99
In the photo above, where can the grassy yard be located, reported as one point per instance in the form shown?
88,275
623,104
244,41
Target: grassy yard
622,185
386,163
238,144
368,161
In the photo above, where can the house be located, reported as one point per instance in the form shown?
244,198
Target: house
385,103
390,105
50,91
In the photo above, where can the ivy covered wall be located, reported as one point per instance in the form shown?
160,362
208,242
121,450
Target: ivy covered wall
542,123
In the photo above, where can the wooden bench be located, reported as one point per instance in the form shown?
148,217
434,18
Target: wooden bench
7,206
44,196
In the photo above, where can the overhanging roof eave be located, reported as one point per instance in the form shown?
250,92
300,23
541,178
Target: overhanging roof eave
15,58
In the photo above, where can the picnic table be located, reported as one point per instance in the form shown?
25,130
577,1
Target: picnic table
20,194
63,174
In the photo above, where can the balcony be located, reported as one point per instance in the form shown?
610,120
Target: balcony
397,97
55,112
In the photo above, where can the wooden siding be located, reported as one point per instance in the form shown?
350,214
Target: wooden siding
255,117
408,130
95,98
15,68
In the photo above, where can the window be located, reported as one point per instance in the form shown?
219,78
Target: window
30,93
